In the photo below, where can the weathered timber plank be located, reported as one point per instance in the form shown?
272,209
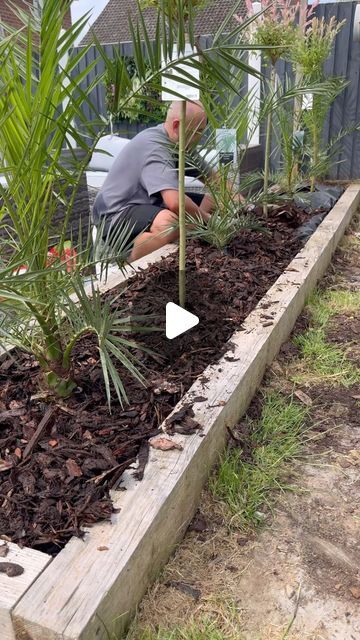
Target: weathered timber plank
12,588
87,593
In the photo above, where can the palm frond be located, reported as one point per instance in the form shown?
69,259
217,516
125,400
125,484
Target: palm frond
92,315
222,227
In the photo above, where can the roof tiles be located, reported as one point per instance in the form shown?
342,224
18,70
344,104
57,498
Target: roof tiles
112,25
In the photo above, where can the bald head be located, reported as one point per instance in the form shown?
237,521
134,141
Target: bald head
196,121
194,111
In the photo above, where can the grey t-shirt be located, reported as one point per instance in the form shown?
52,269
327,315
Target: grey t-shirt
146,166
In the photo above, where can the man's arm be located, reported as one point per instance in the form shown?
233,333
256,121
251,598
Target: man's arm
208,172
171,200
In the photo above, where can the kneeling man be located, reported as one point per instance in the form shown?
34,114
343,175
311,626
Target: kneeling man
141,190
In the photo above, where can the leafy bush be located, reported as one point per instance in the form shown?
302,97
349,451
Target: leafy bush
222,227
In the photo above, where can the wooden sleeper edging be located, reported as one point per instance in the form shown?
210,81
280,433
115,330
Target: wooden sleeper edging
27,564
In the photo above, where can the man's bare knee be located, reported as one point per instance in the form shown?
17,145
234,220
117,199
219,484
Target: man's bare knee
165,218
165,223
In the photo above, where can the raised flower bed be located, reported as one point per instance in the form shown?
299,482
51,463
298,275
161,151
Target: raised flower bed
70,438
61,457
101,578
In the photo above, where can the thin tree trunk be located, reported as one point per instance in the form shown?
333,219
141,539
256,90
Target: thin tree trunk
316,138
315,157
298,79
268,141
182,223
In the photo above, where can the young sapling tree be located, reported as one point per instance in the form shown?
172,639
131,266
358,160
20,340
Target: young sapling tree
309,54
178,13
182,213
275,30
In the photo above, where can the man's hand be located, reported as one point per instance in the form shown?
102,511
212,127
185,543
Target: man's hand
240,198
231,185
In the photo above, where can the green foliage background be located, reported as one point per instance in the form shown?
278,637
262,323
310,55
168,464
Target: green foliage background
145,106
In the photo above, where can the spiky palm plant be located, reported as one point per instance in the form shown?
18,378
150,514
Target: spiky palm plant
175,11
294,145
309,54
40,99
229,216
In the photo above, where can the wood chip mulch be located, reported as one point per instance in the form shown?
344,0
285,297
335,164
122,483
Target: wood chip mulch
59,459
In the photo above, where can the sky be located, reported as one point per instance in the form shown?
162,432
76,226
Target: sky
79,7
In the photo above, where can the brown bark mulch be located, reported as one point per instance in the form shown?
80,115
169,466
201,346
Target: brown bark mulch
59,459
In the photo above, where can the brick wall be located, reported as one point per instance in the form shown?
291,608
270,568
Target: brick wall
67,22
7,15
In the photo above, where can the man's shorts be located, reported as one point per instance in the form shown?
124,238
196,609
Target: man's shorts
139,217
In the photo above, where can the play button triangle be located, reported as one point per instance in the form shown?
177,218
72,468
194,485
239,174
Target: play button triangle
178,320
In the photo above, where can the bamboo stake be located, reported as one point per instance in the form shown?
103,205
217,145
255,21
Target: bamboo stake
299,100
182,223
268,141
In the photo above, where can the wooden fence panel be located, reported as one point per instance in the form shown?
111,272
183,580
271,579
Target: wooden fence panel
344,113
327,11
350,104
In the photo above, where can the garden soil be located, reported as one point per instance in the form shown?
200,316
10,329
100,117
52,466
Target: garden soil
299,577
59,459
